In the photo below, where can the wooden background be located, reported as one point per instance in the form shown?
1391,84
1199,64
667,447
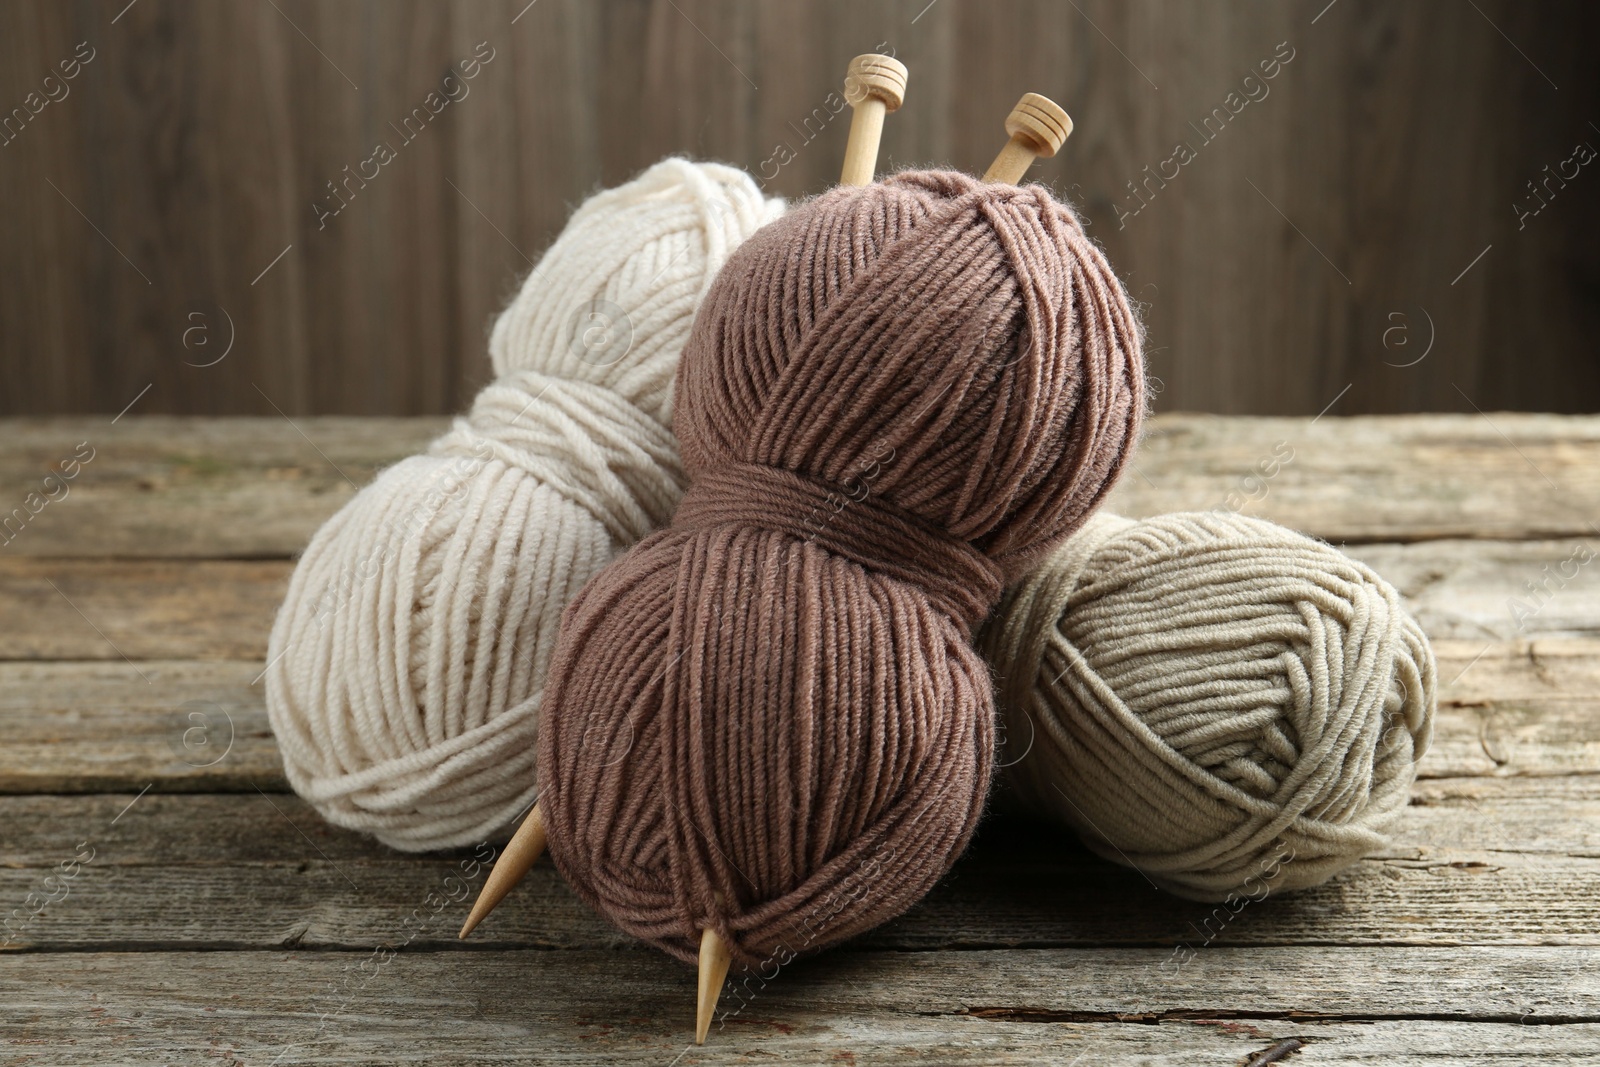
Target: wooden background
1388,155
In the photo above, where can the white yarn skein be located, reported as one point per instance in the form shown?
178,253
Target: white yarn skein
1214,700
407,662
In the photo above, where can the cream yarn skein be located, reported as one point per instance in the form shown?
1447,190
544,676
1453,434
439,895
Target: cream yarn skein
1212,699
407,662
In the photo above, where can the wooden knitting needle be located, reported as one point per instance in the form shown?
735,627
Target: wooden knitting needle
519,856
1038,127
523,849
875,85
714,959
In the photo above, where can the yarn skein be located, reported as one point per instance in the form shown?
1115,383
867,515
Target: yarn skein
769,719
1212,699
407,661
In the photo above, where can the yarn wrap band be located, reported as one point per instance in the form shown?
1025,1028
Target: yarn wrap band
860,528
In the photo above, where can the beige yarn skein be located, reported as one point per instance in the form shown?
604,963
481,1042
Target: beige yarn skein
1215,700
407,662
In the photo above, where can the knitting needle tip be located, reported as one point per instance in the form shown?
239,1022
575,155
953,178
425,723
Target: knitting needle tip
714,959
1038,127
520,854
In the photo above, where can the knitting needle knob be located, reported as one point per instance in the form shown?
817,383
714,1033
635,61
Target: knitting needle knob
874,85
521,852
1038,127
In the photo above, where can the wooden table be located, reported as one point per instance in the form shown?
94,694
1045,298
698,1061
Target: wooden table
210,916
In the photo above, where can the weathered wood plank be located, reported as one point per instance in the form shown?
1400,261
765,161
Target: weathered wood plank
1549,668
1500,815
258,487
1516,708
168,487
100,726
981,1008
1510,815
131,610
1514,738
169,871
208,609
1481,589
1404,478
1508,708
1449,897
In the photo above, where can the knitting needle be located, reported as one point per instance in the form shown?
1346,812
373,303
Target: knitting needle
714,959
520,853
875,85
523,849
1038,127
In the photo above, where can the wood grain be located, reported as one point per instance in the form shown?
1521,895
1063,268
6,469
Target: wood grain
1376,479
196,142
1470,814
136,610
980,1008
223,609
1025,899
221,918
162,487
101,726
1516,709
1466,590
1467,847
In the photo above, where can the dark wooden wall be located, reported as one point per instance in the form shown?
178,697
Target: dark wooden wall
1389,153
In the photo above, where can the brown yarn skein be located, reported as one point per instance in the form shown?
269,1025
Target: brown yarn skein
769,718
